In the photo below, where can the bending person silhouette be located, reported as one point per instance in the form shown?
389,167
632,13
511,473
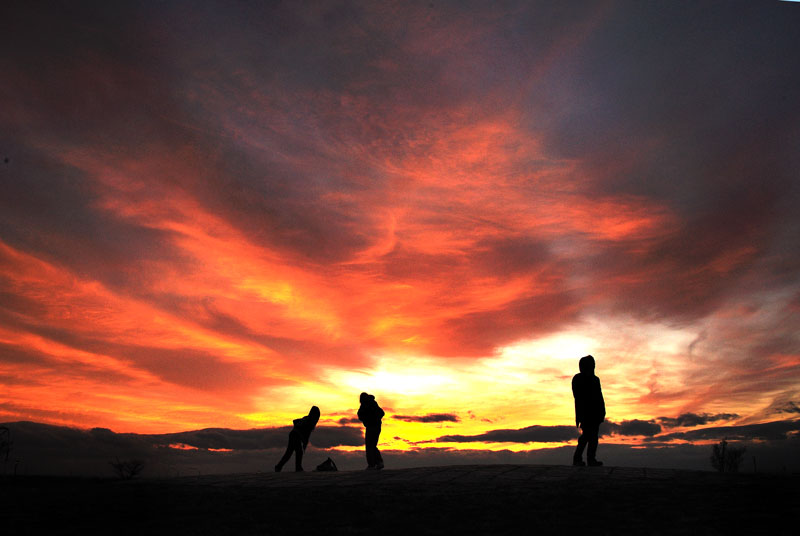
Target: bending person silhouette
370,413
298,439
590,410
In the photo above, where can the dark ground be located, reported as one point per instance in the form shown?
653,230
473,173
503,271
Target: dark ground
475,499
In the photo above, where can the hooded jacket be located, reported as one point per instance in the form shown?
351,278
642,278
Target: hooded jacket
370,413
590,408
305,425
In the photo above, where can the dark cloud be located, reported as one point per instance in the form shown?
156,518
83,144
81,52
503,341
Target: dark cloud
209,438
432,417
116,94
693,419
222,438
789,407
535,433
349,420
51,209
700,76
511,256
666,98
555,434
765,431
633,427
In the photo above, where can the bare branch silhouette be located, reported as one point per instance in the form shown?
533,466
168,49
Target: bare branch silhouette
725,458
127,469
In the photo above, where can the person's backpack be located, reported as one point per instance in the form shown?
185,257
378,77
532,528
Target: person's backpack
327,465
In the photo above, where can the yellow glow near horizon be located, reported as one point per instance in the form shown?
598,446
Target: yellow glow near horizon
524,384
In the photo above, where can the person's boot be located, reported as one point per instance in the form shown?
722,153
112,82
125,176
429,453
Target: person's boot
595,463
278,468
577,461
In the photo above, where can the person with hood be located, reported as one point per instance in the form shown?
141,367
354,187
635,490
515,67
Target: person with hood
298,439
590,410
370,413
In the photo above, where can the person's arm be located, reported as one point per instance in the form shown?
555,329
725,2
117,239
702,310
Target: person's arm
602,402
305,431
575,396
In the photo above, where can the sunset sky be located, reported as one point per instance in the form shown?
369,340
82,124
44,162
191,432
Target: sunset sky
219,214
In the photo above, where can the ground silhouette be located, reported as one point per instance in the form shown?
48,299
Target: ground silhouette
475,499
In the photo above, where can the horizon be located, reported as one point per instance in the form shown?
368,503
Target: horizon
217,216
43,449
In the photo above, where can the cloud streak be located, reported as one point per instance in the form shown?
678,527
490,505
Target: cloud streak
554,434
431,418
692,419
764,431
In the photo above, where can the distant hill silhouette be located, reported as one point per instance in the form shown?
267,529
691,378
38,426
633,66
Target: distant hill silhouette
57,450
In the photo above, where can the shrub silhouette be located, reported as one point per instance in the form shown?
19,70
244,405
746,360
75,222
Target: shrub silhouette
725,458
127,469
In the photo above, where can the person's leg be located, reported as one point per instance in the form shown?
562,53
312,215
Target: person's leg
577,458
371,444
298,455
377,459
288,454
592,434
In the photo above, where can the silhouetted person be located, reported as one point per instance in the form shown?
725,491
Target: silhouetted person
298,439
590,410
370,413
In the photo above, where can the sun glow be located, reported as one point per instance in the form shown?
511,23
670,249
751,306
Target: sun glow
412,378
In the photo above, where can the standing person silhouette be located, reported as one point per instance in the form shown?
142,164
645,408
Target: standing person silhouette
298,439
370,413
590,410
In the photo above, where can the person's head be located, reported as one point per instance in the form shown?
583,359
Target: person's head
313,414
586,364
365,397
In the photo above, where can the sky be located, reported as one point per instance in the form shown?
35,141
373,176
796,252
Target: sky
216,214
